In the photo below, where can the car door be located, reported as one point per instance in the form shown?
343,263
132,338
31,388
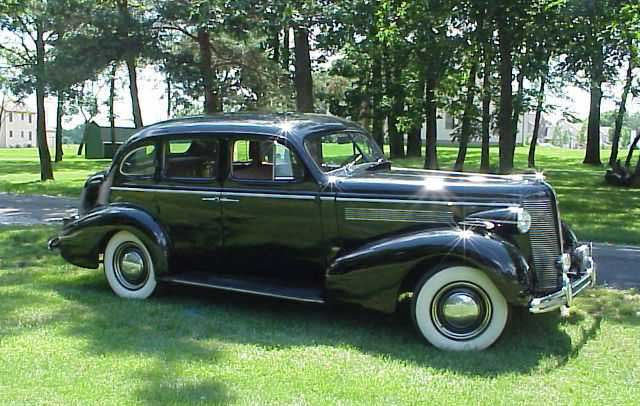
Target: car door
188,201
271,213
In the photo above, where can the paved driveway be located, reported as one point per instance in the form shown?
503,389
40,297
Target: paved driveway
18,209
618,265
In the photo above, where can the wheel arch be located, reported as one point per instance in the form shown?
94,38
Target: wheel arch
377,274
82,241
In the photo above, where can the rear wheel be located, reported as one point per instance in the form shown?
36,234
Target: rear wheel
459,309
129,267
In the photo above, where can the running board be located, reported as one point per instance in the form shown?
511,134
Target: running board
252,286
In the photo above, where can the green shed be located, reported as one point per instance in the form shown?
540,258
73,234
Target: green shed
97,140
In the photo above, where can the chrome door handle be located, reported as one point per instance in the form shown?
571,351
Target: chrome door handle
226,199
211,199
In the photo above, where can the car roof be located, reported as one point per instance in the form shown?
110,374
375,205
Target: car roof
287,125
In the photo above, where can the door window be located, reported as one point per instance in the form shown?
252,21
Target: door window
140,162
195,158
265,160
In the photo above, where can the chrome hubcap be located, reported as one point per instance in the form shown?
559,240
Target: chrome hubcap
461,311
130,266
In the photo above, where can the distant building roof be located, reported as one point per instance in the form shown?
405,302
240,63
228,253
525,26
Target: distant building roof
16,107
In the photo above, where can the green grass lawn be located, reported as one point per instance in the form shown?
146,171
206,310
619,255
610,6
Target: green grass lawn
597,211
20,172
65,339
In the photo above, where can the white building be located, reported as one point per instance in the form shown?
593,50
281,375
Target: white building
446,125
18,127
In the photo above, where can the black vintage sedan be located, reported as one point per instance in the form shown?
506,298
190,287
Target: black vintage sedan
307,208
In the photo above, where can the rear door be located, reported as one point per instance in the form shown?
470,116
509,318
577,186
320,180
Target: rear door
188,200
271,213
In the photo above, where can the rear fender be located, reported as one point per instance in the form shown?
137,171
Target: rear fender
82,241
374,274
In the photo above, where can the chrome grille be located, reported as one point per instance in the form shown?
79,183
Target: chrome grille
545,243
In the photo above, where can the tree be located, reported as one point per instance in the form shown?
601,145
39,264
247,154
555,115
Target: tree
622,108
593,45
505,121
216,55
302,77
31,27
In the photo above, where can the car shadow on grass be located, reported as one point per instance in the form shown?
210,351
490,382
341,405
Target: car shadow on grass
184,317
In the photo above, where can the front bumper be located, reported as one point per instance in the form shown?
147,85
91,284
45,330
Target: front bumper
581,275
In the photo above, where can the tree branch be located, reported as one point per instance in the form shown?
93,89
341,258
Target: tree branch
26,29
182,30
23,58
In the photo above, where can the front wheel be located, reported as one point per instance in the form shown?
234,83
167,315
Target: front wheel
128,266
459,309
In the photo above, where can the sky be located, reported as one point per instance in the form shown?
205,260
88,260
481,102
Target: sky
154,104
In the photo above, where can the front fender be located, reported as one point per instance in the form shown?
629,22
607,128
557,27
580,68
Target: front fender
82,241
373,275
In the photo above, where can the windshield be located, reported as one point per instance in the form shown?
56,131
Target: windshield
342,150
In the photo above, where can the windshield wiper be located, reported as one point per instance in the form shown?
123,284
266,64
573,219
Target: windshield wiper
379,164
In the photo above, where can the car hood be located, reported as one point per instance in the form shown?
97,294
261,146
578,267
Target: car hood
441,186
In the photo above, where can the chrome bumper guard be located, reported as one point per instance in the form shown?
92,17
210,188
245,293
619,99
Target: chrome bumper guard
53,243
585,277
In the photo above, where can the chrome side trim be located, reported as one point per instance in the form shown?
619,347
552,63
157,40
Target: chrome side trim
253,292
441,202
158,190
273,195
396,215
209,192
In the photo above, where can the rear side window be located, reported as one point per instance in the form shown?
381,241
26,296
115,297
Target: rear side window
140,162
195,158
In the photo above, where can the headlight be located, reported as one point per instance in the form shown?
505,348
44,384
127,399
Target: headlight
523,220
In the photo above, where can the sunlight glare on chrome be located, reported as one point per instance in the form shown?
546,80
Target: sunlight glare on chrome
286,126
433,183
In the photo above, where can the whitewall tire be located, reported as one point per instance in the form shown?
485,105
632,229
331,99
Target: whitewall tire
129,267
459,309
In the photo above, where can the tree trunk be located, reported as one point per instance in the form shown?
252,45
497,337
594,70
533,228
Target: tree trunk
592,153
536,124
431,154
303,79
414,141
207,73
632,148
286,53
465,132
485,163
376,89
112,100
505,120
168,79
622,108
133,90
59,113
517,110
46,170
396,94
274,41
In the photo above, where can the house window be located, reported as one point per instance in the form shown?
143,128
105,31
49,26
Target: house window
30,135
21,116
11,117
30,118
10,134
21,134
